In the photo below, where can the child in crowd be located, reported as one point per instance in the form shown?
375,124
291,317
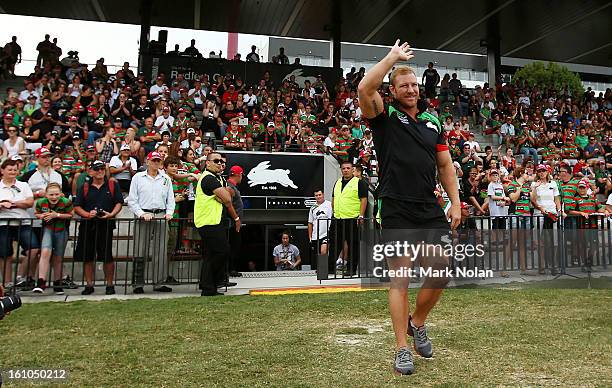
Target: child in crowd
55,211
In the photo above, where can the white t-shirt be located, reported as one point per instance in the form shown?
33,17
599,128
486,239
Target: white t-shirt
473,145
159,90
545,196
197,95
550,114
322,212
117,163
24,94
249,100
507,129
496,208
13,149
17,192
609,202
166,123
329,142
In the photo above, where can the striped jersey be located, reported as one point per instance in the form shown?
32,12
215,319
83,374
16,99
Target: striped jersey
63,206
523,203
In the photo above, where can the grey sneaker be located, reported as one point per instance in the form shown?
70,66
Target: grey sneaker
422,344
404,363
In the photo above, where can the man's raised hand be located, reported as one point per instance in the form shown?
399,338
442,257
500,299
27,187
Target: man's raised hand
401,52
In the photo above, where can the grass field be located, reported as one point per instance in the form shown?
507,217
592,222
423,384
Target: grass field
481,337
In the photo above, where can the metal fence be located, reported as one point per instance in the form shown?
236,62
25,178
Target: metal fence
130,252
531,245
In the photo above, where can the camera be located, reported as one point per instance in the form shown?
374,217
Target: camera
99,212
8,304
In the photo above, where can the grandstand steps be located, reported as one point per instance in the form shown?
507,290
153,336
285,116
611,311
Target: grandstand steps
16,83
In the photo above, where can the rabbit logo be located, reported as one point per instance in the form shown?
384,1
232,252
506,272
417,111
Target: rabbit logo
261,175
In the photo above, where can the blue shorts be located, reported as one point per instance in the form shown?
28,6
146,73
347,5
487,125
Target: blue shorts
55,241
24,234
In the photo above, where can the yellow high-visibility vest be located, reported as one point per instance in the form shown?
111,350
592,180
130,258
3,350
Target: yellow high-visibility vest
347,202
206,210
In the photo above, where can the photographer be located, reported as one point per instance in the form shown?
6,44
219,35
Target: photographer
97,202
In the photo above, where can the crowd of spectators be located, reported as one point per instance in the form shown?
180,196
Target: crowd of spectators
80,114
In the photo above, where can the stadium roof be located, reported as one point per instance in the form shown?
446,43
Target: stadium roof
560,30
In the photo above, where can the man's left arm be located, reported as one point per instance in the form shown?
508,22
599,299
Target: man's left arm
446,173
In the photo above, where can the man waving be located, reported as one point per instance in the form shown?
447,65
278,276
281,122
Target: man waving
410,147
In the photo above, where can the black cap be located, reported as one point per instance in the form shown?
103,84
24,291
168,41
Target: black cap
118,120
76,135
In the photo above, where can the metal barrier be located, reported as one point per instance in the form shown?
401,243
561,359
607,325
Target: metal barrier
130,252
511,243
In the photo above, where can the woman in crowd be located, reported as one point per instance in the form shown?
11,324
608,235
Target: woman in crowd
545,198
14,144
106,146
57,163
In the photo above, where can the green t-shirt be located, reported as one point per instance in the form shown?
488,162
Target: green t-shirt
63,206
582,140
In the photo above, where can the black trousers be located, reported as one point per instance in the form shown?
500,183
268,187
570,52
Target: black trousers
215,255
235,242
342,230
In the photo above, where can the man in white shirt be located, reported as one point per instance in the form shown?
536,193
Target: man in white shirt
472,142
158,90
151,199
198,94
319,218
551,113
506,131
249,99
29,91
165,121
122,167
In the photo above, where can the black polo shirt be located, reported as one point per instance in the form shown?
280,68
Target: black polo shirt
406,151
98,198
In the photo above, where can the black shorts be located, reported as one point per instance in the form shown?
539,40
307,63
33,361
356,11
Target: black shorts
95,241
412,221
499,222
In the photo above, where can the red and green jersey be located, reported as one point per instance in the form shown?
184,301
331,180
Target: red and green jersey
234,140
281,129
587,204
523,203
180,124
455,152
568,190
119,133
342,145
550,153
253,130
308,118
63,206
179,186
569,151
190,168
70,166
311,143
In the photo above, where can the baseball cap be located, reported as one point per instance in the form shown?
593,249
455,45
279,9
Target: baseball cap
541,167
583,183
91,147
281,105
97,165
493,171
181,110
602,162
8,116
16,157
181,90
76,135
125,147
165,131
240,114
154,155
471,134
118,120
345,126
465,205
236,170
190,130
166,108
31,96
270,124
255,117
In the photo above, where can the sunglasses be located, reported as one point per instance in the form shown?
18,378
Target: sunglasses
218,161
198,140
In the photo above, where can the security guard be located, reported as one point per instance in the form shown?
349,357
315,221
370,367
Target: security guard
349,202
211,196
151,199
